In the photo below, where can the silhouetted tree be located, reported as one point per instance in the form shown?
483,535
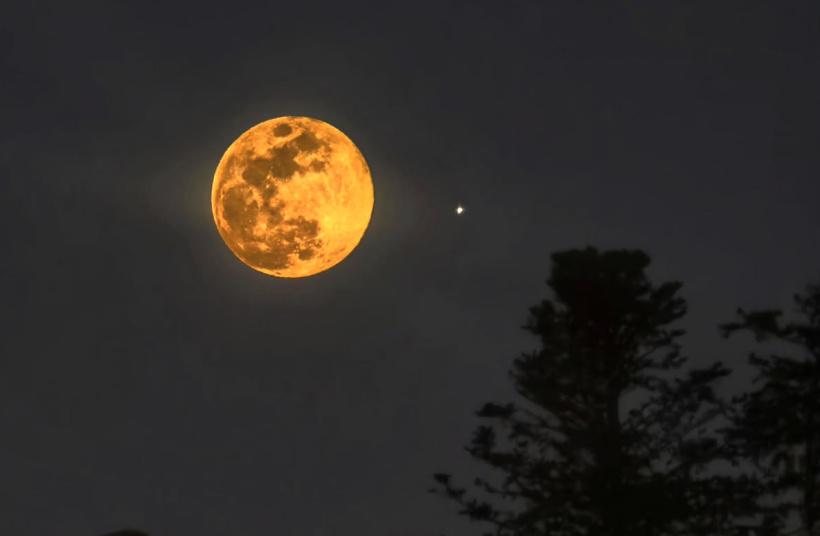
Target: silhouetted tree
576,459
778,426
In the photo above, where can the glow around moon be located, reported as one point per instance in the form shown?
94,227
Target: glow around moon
292,197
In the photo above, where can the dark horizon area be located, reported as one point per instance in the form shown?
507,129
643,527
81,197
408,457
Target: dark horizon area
149,379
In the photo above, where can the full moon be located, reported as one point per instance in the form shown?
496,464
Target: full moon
292,197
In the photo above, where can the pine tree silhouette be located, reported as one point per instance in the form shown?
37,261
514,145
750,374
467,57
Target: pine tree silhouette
573,459
778,425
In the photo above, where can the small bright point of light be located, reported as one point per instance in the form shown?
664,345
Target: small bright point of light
459,210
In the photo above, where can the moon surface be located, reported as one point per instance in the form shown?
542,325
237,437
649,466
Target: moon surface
292,197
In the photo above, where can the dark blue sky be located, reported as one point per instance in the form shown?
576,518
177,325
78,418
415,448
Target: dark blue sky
149,378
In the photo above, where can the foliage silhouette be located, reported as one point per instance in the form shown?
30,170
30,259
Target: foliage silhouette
778,424
575,459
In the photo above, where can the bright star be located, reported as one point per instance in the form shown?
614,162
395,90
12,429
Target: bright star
459,210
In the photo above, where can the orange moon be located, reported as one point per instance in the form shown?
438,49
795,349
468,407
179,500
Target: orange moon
292,197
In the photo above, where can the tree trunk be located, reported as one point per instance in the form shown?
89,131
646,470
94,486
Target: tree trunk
617,500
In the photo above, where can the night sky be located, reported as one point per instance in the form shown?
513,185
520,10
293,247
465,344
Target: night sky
149,379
